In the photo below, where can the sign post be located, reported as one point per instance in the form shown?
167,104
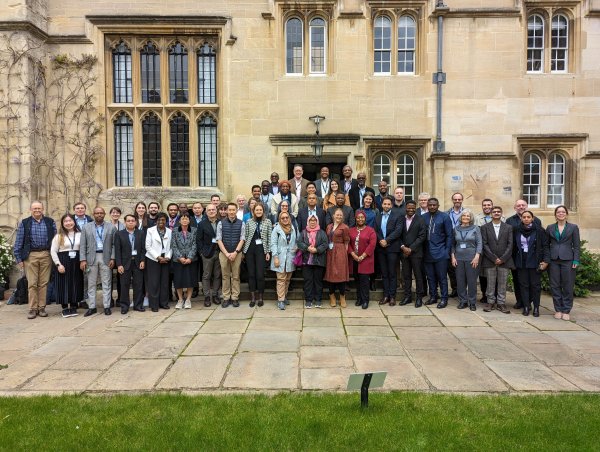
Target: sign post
364,382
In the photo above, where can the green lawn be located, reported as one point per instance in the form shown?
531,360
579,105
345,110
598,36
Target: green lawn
394,421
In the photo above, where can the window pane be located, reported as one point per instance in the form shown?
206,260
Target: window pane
382,44
151,146
405,175
535,43
556,180
122,83
317,45
178,74
293,46
123,129
207,151
207,75
406,44
560,46
150,67
180,151
531,179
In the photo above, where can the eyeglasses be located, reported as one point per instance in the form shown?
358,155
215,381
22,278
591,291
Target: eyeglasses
457,200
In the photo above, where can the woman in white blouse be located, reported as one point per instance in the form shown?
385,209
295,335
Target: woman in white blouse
158,252
69,277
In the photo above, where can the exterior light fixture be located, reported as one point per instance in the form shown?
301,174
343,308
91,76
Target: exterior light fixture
317,146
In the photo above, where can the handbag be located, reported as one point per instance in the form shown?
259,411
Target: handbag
297,261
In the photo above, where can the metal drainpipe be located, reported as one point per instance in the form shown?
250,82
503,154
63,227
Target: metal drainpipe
439,77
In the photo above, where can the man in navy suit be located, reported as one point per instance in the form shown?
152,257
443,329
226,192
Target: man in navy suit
357,192
311,210
413,238
388,228
130,261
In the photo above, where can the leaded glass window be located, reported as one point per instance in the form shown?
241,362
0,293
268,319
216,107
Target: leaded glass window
178,74
122,80
207,75
123,130
150,73
317,45
207,151
180,151
151,151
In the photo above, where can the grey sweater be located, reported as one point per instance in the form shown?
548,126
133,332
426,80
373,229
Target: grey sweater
467,242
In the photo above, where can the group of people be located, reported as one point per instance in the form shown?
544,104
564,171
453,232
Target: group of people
330,229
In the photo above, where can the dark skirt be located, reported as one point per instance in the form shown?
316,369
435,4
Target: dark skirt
185,276
69,285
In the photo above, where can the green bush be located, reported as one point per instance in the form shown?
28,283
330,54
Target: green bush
6,259
588,273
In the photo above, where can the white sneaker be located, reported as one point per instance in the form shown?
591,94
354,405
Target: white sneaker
179,304
187,304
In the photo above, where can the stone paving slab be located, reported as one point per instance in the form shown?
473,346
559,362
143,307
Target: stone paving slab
211,350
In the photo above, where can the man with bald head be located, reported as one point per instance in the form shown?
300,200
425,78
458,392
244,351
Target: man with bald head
357,191
32,253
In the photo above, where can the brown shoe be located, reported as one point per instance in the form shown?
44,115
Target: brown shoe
503,309
332,300
342,301
32,314
392,301
488,307
384,300
42,312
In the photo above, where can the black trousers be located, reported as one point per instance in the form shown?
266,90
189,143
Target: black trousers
517,286
388,261
255,262
530,282
132,277
313,282
157,284
339,286
363,283
412,265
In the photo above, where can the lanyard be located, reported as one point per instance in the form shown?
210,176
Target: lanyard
72,242
464,236
132,239
101,233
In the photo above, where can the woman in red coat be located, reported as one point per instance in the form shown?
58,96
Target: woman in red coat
336,271
362,261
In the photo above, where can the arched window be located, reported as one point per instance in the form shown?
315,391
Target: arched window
532,172
535,43
150,73
123,130
406,44
382,45
180,150
122,82
381,169
207,151
317,45
178,74
151,151
207,75
556,180
405,175
560,44
293,46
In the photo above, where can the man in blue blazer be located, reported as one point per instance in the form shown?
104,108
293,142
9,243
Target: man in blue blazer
388,227
437,251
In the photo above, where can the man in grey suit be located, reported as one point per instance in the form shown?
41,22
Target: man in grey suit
97,258
497,238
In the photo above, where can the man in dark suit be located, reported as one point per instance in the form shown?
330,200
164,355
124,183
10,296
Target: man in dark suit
497,238
383,192
197,214
357,192
130,260
311,210
208,251
311,188
340,203
274,183
347,182
322,184
413,238
388,228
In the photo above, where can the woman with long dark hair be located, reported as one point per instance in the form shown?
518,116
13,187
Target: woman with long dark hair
185,261
158,252
257,251
140,212
69,277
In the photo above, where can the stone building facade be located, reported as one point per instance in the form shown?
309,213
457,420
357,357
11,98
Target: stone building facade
194,97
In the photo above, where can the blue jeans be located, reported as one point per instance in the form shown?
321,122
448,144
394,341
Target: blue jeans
436,274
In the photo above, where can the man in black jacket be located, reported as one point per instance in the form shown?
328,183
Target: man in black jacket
311,210
208,251
130,259
357,191
340,200
413,238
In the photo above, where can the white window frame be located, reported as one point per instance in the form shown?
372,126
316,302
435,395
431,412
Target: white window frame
406,49
530,174
533,48
554,49
310,57
551,177
294,74
383,49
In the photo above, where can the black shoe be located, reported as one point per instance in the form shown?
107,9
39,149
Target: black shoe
431,301
83,305
518,306
142,309
405,301
154,309
473,307
526,310
373,286
442,304
365,305
260,302
217,300
165,307
107,311
195,292
418,302
462,305
453,294
358,303
207,302
73,312
90,312
236,304
124,311
225,303
252,303
536,311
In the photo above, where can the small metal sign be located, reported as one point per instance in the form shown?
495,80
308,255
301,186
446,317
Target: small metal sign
364,382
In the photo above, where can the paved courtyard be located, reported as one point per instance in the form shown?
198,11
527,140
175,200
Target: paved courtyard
264,349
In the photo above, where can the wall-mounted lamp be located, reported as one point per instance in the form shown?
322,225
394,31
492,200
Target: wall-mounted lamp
317,146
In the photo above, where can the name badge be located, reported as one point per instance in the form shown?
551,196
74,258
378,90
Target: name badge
214,240
331,246
134,252
258,241
463,245
72,254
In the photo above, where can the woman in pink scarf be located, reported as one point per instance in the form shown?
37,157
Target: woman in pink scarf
313,243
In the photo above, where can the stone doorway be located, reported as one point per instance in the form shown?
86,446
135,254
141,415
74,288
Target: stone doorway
312,168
